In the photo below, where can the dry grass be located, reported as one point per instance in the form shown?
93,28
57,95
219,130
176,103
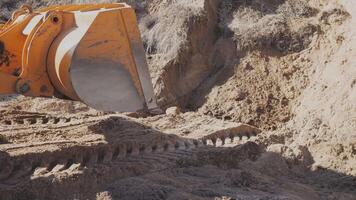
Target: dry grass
260,25
163,41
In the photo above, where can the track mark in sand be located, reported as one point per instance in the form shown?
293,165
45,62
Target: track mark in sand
131,150
22,118
37,121
154,156
159,153
231,136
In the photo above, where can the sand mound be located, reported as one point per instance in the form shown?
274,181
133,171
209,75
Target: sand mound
265,109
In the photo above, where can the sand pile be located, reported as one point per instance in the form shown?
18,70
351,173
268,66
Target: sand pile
265,109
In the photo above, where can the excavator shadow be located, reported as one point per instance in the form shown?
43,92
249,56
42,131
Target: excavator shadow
130,150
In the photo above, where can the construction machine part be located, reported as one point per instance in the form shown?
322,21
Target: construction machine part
89,53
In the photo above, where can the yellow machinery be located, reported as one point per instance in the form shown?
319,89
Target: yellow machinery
88,53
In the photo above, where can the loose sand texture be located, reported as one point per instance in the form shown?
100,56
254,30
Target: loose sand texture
259,99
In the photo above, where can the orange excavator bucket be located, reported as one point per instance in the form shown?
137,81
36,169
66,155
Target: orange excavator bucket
88,53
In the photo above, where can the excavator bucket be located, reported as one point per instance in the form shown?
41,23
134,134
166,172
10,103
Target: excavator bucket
88,53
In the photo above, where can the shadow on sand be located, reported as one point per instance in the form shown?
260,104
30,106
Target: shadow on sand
138,162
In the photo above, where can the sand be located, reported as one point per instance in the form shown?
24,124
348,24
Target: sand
259,100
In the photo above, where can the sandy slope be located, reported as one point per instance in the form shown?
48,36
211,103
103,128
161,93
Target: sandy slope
266,97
